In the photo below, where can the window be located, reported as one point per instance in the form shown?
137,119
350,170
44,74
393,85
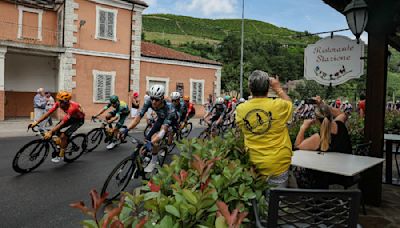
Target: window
197,91
104,83
158,81
29,23
106,27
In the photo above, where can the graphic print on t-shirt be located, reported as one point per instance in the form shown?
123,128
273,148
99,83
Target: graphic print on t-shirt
258,121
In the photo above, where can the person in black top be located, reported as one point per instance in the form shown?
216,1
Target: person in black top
333,137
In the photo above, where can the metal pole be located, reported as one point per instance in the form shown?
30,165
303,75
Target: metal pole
241,54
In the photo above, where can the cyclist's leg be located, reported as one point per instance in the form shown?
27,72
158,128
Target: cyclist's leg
109,116
71,126
156,128
120,124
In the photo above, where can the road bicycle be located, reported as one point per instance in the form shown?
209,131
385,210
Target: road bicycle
211,130
132,168
96,135
33,154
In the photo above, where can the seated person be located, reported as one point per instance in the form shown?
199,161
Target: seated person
333,137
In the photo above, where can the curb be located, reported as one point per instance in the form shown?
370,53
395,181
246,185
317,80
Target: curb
18,128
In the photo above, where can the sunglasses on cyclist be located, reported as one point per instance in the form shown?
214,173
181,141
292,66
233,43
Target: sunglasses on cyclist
155,98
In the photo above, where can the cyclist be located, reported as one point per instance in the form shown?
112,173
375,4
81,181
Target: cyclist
72,121
120,113
229,108
179,105
190,110
217,111
166,117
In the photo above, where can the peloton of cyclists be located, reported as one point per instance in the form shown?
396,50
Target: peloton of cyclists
120,113
72,121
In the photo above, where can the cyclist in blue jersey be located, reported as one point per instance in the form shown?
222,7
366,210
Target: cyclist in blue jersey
166,117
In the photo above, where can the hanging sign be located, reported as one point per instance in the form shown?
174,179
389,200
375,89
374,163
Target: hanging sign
333,60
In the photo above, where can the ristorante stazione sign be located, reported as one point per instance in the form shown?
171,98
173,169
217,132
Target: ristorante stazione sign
333,61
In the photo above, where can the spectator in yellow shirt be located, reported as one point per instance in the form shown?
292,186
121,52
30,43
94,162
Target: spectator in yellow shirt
263,122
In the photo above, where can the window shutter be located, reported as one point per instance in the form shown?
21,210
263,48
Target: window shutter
108,87
102,24
110,25
199,93
194,92
100,87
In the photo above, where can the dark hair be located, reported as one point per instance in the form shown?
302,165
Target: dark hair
362,96
258,83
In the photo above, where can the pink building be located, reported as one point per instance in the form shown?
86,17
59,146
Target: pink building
91,48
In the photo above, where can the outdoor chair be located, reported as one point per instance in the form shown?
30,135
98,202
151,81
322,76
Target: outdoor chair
312,208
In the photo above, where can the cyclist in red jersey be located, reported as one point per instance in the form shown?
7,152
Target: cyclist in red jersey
191,111
74,119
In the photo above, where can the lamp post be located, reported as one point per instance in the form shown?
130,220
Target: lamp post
357,17
241,53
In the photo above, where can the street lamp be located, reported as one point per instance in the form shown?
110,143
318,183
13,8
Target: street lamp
357,17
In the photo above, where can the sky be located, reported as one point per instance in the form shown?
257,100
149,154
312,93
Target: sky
299,15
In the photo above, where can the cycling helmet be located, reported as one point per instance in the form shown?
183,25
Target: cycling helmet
64,96
114,99
135,94
157,91
242,100
186,98
219,100
227,98
175,95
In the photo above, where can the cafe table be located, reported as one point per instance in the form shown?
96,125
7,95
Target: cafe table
333,162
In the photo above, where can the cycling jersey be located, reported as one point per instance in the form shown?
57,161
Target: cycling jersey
167,114
181,110
74,111
190,108
121,109
220,109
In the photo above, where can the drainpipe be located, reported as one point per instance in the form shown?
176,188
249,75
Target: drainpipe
130,53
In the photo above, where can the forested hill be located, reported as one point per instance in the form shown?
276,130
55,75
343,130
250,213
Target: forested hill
181,29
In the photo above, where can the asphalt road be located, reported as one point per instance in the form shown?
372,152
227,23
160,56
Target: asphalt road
41,198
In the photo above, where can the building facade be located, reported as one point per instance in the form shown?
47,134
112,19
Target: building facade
89,47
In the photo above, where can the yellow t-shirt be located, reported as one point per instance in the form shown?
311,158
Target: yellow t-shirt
263,123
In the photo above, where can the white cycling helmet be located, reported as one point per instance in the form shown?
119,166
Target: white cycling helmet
220,100
157,91
242,100
175,95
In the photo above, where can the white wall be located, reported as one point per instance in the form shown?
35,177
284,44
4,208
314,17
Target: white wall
27,73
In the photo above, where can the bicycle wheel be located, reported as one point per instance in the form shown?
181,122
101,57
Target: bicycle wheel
186,131
30,156
75,148
119,178
94,138
205,134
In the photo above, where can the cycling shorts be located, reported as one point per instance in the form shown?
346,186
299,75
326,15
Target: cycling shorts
70,126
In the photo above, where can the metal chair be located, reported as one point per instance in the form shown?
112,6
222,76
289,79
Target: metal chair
313,208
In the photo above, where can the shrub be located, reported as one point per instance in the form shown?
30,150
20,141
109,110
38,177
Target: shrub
211,184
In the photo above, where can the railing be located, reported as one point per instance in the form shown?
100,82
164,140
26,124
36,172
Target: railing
27,34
